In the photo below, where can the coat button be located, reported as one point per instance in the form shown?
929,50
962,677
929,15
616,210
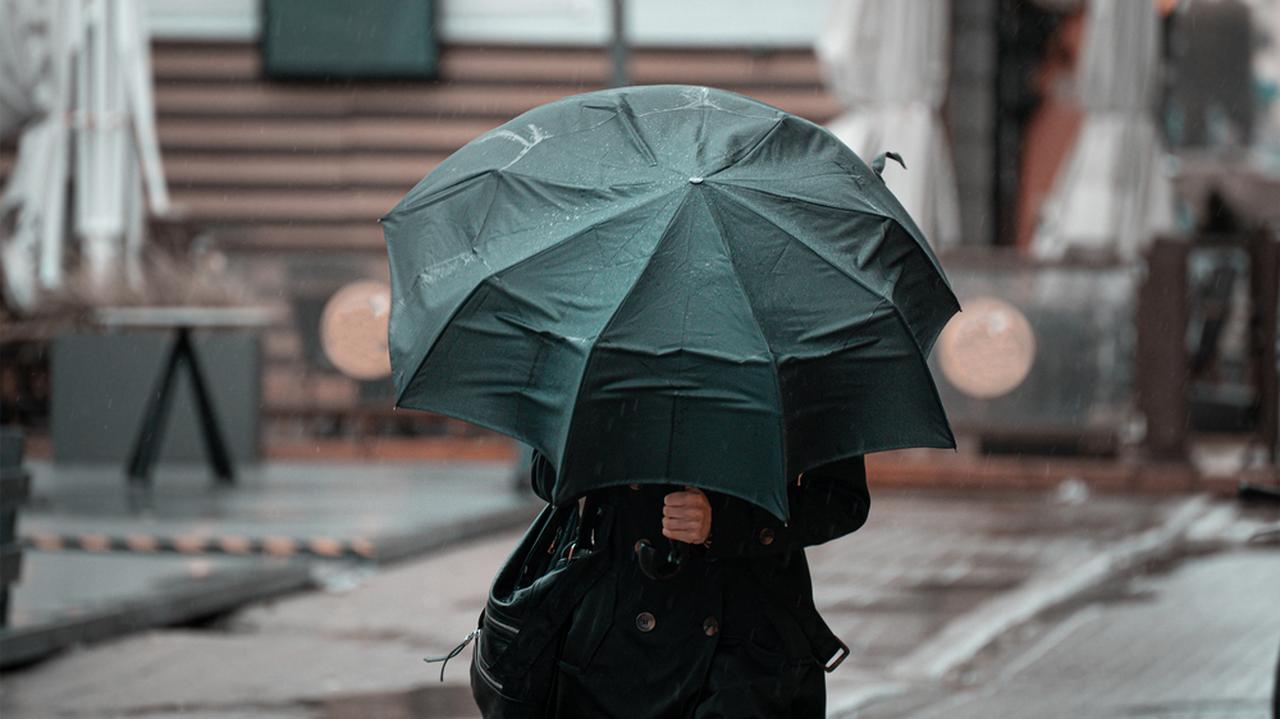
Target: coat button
645,622
711,626
766,536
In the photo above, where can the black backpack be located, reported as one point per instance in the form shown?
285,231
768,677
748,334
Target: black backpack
521,629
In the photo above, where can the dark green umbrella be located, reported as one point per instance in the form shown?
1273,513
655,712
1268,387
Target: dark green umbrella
668,284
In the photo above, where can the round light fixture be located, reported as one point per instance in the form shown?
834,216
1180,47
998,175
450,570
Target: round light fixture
353,330
987,350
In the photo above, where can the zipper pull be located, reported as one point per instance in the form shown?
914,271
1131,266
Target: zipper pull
444,660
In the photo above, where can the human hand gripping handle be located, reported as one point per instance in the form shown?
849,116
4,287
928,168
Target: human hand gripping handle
686,516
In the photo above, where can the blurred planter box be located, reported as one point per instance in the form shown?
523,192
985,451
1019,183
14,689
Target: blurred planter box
101,382
317,39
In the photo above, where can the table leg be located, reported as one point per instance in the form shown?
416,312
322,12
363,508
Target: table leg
151,434
211,431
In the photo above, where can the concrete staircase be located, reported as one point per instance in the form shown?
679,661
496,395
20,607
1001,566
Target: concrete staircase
307,166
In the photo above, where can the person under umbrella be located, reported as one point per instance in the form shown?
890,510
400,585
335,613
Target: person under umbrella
699,309
730,629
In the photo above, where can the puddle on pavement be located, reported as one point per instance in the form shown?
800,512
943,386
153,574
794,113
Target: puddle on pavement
448,701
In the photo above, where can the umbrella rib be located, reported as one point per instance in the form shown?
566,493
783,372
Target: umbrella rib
409,203
880,212
897,311
609,323
413,287
920,353
466,300
751,310
534,179
919,244
626,116
733,157
406,204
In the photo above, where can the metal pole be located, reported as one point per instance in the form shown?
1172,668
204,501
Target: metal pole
1161,370
618,44
1264,262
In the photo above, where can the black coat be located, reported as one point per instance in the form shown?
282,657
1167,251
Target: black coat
734,633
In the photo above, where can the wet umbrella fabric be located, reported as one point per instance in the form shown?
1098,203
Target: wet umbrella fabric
668,284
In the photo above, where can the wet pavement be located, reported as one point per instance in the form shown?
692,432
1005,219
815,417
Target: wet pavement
1199,637
925,564
932,563
389,511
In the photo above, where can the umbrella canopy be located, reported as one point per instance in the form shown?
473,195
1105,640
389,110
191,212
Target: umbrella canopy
888,63
668,284
1111,194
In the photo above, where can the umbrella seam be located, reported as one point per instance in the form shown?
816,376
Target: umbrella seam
840,269
703,100
941,275
406,204
422,202
625,115
609,322
736,156
566,186
482,283
773,359
916,236
920,353
488,135
834,173
400,301
878,212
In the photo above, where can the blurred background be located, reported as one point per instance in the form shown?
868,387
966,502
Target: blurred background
194,393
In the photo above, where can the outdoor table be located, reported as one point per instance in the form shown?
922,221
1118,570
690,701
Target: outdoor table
181,321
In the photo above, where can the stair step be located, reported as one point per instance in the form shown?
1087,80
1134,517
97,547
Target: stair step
399,170
796,69
241,62
297,100
230,134
309,205
332,236
444,102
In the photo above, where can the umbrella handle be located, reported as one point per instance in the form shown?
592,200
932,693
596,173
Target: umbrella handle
660,568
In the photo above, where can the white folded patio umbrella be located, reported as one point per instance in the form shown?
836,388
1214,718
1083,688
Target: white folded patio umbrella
888,64
1112,193
23,46
34,78
86,75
